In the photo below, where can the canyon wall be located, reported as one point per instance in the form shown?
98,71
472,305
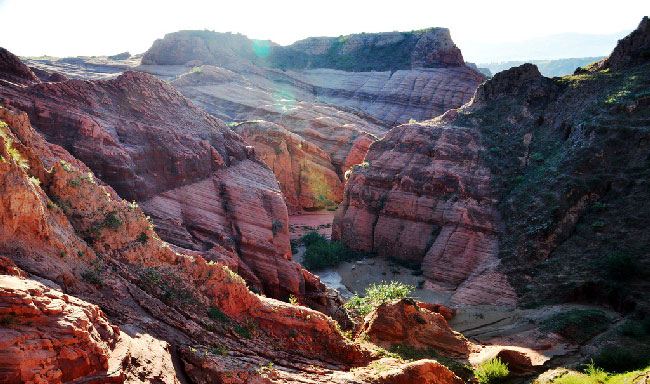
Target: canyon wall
339,94
90,293
423,196
531,192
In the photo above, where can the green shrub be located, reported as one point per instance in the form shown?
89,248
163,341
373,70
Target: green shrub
219,350
377,295
577,325
620,266
491,371
320,253
112,220
592,375
143,238
618,359
217,314
311,238
634,329
94,275
243,331
74,182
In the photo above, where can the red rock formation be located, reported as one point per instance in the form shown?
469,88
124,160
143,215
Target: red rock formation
204,188
343,135
424,197
405,322
50,337
13,70
445,311
518,362
115,259
305,172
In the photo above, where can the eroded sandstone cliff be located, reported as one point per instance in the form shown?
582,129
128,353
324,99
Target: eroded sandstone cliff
305,172
423,196
204,188
166,316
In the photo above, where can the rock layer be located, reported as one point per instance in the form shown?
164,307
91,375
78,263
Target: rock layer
424,197
50,337
305,173
199,181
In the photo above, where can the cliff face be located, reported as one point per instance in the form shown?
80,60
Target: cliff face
340,94
294,101
538,179
423,196
393,76
305,172
205,190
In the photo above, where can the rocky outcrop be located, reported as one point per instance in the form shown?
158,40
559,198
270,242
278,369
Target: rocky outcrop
524,82
343,135
423,196
632,50
198,180
50,337
305,172
397,97
520,189
431,47
196,48
14,70
404,322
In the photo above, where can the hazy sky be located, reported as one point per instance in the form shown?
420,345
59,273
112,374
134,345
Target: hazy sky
89,27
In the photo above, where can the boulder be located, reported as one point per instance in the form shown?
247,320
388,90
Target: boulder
404,322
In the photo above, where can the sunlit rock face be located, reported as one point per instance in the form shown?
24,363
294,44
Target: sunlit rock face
423,197
304,172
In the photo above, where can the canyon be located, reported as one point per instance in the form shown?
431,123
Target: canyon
147,204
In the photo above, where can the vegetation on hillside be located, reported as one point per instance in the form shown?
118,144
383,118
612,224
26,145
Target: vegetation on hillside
376,295
321,253
571,171
386,56
577,325
594,375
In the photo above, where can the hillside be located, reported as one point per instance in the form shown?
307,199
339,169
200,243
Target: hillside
548,68
539,180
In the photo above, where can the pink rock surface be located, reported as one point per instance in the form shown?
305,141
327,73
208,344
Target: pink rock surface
423,197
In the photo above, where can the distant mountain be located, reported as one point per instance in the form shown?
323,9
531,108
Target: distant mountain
550,47
548,68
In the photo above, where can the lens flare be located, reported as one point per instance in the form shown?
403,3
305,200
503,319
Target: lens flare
261,48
